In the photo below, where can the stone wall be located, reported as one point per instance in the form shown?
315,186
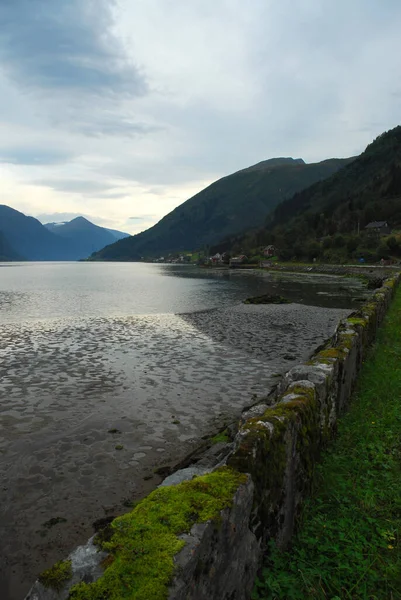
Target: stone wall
270,468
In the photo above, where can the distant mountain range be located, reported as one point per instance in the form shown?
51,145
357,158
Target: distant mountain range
25,238
229,206
85,237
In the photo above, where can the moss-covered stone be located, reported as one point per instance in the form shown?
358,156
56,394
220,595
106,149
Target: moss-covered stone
369,309
266,452
57,576
332,353
391,283
359,321
145,540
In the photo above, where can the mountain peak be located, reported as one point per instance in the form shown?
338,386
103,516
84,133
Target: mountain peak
80,220
273,163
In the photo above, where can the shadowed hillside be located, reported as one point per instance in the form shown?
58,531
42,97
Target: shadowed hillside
29,238
6,251
328,219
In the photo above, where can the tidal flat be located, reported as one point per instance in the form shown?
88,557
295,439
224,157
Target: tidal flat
92,407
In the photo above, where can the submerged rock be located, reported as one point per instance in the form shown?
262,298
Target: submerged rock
267,299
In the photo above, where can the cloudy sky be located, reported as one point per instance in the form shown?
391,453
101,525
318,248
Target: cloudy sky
122,109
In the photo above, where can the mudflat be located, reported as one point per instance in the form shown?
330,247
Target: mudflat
90,408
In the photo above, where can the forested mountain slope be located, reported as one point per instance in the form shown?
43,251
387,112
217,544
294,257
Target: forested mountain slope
6,251
329,218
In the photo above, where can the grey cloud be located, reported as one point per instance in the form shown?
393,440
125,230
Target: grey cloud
74,185
87,187
66,45
60,217
34,156
115,126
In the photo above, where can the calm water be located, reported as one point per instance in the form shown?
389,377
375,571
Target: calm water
86,348
30,291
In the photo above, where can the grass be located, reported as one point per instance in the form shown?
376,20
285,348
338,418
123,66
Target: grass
349,542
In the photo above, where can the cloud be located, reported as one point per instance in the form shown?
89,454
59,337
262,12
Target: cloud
61,217
66,45
99,188
81,186
34,156
116,126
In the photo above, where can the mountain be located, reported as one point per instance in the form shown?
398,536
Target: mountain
229,206
83,236
118,235
328,219
6,251
26,237
29,238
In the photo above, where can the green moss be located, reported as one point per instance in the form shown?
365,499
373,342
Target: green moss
347,340
369,309
336,353
357,321
144,541
56,577
303,390
221,437
391,283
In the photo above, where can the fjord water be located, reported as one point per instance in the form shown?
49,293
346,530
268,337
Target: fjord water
111,370
37,291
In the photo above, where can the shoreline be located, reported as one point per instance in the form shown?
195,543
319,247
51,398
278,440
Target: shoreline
234,350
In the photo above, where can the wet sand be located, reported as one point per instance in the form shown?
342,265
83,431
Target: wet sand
163,382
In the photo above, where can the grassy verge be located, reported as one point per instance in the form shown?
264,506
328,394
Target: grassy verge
349,541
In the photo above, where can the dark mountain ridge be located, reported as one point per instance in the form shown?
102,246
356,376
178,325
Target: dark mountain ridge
29,238
25,238
7,253
228,206
328,219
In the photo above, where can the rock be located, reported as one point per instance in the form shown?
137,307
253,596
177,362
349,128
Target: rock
185,475
86,566
267,299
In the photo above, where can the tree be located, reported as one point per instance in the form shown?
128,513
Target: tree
339,241
393,245
382,252
353,243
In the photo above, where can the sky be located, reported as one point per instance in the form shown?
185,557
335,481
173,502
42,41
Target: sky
120,110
